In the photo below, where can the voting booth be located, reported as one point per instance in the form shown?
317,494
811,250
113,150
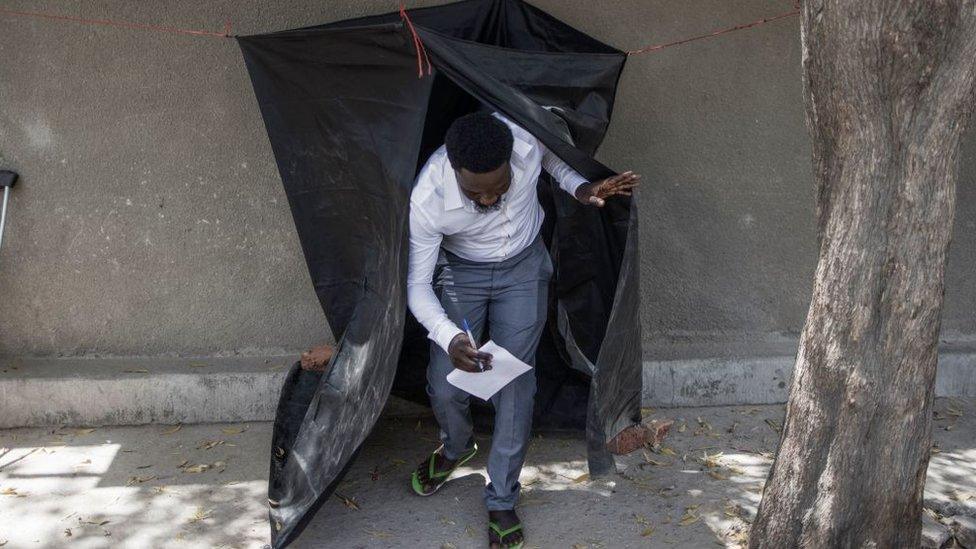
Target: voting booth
352,110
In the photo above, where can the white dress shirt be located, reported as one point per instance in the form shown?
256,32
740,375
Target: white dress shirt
441,215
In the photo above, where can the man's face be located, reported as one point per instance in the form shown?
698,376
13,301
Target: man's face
486,189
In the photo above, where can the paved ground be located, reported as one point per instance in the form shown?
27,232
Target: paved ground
204,486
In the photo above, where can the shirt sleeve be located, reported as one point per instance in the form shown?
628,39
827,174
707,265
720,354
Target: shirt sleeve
425,243
568,178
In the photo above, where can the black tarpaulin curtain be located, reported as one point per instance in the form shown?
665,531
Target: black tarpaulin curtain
350,123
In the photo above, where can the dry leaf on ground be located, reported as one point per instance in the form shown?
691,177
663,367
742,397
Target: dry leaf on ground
348,502
209,444
711,460
732,511
201,514
198,468
688,519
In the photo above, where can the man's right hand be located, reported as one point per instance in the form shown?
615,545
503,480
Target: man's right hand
465,357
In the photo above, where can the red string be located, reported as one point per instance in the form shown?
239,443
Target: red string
718,32
418,44
114,23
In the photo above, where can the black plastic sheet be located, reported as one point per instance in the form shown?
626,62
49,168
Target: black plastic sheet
350,123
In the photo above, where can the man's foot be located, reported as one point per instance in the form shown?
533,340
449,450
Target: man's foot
434,471
504,530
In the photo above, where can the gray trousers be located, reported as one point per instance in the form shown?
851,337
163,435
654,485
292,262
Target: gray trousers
507,303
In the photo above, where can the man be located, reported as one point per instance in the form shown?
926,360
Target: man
474,238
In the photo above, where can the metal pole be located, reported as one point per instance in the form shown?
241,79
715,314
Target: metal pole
3,212
7,180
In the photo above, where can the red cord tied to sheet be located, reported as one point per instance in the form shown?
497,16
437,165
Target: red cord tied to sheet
418,44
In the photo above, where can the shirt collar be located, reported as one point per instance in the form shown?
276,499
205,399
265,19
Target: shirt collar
453,199
520,149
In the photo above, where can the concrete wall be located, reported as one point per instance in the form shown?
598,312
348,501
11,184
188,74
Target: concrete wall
150,219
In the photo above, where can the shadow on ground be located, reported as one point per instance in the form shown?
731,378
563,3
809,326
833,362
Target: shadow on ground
205,486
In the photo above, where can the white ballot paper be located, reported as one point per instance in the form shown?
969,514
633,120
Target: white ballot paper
504,368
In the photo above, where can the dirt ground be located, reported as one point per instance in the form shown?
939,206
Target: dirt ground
205,486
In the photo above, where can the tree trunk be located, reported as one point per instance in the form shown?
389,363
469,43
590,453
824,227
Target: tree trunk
889,86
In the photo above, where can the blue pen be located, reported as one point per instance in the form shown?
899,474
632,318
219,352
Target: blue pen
467,330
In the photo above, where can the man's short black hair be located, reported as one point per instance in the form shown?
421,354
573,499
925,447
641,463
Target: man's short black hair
478,142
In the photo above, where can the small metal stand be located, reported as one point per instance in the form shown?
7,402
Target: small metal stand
7,180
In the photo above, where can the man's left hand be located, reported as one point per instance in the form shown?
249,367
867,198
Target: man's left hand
596,193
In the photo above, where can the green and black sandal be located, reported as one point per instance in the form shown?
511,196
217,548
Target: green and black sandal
426,479
497,536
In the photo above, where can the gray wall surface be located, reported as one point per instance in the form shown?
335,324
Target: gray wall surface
150,219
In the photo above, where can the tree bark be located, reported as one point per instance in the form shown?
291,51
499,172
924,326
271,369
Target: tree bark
889,87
